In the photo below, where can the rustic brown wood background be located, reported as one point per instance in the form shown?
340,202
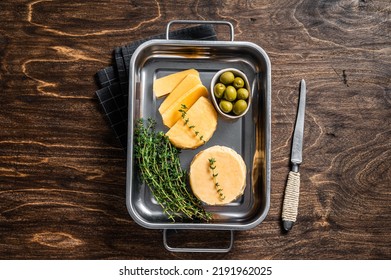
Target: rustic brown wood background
62,172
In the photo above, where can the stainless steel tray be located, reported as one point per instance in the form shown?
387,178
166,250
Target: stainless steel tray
249,136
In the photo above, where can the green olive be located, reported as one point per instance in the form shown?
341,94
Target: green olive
242,93
238,82
230,93
227,78
225,106
219,90
239,107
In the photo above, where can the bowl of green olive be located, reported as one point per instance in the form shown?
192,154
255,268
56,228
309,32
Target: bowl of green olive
231,93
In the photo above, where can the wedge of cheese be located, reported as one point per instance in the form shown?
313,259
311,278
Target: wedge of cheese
203,116
231,177
189,82
164,85
171,115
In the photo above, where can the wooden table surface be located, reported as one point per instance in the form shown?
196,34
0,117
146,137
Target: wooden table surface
62,171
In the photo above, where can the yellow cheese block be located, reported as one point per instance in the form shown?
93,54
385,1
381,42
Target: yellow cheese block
231,175
203,116
172,114
184,86
166,84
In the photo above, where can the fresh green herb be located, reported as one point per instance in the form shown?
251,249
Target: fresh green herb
212,166
186,119
160,168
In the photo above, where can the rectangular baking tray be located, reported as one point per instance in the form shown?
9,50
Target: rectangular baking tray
249,136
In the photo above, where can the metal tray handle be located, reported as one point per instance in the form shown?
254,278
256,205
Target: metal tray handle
184,21
197,250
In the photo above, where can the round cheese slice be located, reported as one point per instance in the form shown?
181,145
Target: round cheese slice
231,175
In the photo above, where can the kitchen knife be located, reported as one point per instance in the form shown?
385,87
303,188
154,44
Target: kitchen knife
291,197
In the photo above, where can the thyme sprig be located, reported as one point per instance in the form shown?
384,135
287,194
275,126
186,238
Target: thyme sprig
160,169
186,119
219,189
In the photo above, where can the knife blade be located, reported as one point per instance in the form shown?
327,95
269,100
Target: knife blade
291,197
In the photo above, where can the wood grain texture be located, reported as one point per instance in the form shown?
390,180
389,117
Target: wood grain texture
62,172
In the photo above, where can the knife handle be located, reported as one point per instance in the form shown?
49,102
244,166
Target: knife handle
291,200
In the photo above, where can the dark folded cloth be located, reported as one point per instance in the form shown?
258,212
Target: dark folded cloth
113,81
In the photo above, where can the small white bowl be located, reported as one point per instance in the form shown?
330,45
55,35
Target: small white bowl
216,79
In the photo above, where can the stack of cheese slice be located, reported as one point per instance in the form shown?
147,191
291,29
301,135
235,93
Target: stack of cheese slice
231,177
187,92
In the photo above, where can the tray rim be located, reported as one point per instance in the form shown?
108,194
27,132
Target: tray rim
129,167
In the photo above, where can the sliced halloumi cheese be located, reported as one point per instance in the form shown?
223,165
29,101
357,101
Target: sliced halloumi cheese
203,116
172,114
164,85
189,82
231,177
